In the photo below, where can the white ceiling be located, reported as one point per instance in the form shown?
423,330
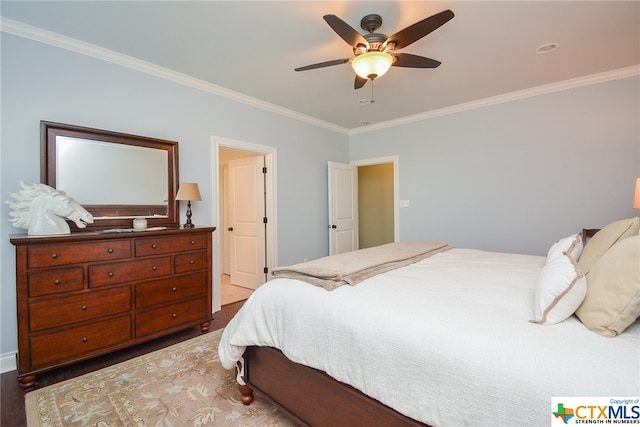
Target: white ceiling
488,49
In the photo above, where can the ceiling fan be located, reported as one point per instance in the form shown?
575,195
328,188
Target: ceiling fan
375,52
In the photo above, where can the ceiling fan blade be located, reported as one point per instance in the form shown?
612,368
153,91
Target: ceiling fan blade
414,61
323,64
359,82
404,38
345,31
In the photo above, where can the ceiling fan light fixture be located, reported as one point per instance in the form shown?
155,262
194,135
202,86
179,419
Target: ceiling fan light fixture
372,65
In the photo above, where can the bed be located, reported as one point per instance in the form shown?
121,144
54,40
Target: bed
459,337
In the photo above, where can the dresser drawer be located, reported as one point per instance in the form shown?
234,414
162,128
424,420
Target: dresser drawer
62,254
55,281
78,308
129,271
170,316
165,245
70,343
190,262
174,289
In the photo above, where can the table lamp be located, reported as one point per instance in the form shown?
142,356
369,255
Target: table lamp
188,191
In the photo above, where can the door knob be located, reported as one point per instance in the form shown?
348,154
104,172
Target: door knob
230,229
333,226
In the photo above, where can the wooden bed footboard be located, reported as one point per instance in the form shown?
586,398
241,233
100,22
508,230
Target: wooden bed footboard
311,396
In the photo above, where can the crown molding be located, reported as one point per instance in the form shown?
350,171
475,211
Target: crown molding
38,34
507,97
54,39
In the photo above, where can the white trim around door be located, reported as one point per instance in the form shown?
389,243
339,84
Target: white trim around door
270,205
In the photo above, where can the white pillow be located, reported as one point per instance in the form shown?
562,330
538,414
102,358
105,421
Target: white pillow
561,285
572,243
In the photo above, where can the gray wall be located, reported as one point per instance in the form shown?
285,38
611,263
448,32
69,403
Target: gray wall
41,82
516,176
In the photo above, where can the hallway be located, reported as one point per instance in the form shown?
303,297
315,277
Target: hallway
230,293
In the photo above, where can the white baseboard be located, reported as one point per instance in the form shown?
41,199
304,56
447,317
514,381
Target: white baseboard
8,362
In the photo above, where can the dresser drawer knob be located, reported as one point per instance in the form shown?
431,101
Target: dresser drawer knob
154,268
154,246
174,315
110,250
54,256
56,282
85,339
84,308
193,242
191,262
110,274
174,289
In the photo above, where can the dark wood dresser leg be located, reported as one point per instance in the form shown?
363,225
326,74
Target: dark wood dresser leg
204,327
27,382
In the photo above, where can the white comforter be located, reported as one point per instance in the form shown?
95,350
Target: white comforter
446,341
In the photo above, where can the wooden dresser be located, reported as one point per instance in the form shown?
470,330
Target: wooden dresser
87,294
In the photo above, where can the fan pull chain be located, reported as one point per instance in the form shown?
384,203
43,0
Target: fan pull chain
372,98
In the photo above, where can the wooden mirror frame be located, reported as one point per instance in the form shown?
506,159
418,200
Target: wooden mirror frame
110,215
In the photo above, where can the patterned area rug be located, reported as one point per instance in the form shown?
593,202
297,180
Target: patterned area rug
178,386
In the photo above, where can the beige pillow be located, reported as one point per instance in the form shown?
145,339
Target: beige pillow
613,290
606,238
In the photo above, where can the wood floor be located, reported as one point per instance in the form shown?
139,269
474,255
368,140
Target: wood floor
12,395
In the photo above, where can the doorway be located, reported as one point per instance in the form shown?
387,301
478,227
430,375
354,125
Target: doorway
371,204
380,185
234,153
375,205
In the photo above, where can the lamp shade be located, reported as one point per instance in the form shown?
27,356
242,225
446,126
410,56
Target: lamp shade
188,191
636,198
372,65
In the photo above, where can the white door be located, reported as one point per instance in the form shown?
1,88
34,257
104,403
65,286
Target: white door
343,208
246,221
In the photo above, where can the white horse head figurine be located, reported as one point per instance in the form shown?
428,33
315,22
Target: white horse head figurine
42,210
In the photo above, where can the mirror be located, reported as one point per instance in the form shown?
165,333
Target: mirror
115,176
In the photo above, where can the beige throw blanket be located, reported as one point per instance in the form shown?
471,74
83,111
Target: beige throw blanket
353,267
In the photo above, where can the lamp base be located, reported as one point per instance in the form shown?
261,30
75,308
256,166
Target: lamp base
188,224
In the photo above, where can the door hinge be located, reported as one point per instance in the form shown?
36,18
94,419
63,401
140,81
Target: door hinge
266,270
264,220
264,169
